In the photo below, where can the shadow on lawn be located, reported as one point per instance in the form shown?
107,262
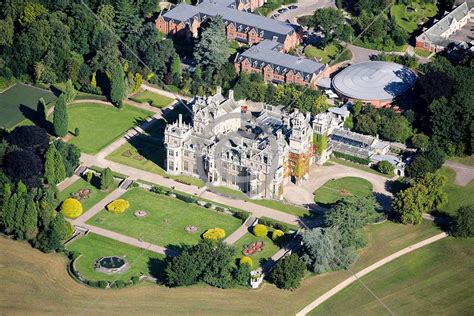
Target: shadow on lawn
33,116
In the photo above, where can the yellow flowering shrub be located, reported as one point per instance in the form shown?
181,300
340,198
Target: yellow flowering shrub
118,206
214,234
260,230
246,260
277,234
71,208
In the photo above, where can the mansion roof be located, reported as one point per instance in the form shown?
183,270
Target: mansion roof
267,53
265,27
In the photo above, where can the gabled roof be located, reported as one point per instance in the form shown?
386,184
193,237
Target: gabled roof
266,53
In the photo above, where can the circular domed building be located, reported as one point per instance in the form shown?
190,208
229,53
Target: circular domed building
375,82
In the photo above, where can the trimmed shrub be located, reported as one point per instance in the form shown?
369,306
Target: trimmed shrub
385,167
260,230
241,215
118,206
89,176
277,234
71,208
246,260
214,234
185,198
135,280
103,284
271,223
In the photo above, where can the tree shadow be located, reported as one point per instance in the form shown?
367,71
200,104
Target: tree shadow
384,201
395,186
33,116
156,268
407,78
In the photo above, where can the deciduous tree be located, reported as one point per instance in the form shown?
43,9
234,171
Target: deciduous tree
288,272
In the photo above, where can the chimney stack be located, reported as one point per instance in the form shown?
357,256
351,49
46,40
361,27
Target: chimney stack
180,120
219,90
231,94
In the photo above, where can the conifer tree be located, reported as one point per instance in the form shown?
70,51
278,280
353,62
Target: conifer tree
7,192
41,114
18,217
117,86
54,170
106,179
60,117
9,213
69,92
30,219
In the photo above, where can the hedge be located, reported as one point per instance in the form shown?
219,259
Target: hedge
276,224
361,161
118,206
277,233
260,230
214,234
71,208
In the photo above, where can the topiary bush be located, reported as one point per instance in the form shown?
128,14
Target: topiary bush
277,234
260,230
246,260
385,167
71,208
214,234
118,206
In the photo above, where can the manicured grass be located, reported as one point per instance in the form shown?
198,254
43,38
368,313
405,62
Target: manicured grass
410,21
51,289
323,55
96,196
468,160
19,102
93,247
357,166
436,279
101,124
269,248
422,52
287,208
79,94
457,195
334,190
229,192
167,219
154,99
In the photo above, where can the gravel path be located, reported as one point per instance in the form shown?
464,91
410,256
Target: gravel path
464,174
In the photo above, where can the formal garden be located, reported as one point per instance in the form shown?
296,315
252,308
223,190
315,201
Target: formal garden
92,251
334,190
168,219
100,125
154,99
18,104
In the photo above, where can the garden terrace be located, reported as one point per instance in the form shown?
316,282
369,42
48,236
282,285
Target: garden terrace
167,219
18,104
334,190
93,247
101,124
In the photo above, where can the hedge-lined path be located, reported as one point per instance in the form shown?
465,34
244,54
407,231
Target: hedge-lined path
318,175
367,270
99,206
137,174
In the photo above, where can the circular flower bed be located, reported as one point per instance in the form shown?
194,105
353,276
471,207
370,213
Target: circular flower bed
253,248
71,208
140,213
191,229
82,194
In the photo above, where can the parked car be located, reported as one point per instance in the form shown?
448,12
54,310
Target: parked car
275,15
282,10
292,7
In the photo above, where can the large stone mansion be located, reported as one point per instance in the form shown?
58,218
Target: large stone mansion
259,154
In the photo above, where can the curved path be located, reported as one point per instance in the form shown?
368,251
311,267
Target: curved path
367,270
464,174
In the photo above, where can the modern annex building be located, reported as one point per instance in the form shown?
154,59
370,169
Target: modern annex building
374,82
267,59
248,28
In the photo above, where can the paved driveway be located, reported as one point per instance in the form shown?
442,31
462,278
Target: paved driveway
319,175
305,7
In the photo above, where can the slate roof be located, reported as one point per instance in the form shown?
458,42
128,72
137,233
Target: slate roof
434,33
268,28
267,52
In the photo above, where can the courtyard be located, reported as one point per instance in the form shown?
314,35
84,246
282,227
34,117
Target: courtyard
166,221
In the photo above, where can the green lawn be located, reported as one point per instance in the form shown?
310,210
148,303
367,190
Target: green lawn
457,195
334,190
434,280
410,21
101,124
323,55
287,208
357,166
19,103
167,219
468,160
229,192
269,248
79,94
93,247
154,99
422,52
96,195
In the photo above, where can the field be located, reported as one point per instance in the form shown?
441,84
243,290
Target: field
153,99
93,247
51,290
167,219
287,208
334,190
410,21
457,195
437,279
19,103
101,124
269,248
96,195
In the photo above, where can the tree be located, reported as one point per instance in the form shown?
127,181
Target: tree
463,225
33,138
54,170
117,86
349,216
331,23
260,230
288,272
23,165
420,166
241,275
60,117
69,92
138,81
52,239
30,219
19,225
106,179
31,12
70,154
385,167
212,50
41,112
322,251
420,141
9,213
